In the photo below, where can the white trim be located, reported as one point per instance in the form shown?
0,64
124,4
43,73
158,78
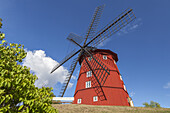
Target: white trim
114,61
124,87
63,98
131,103
121,78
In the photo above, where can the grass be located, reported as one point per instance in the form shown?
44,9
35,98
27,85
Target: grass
75,108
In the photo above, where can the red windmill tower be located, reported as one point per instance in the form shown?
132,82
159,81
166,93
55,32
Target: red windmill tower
99,81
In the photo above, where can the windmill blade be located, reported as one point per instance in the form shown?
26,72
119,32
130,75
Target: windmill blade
71,70
68,77
95,21
69,56
118,23
75,37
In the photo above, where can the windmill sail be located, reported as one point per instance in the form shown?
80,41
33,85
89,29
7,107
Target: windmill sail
65,59
95,21
118,23
68,77
75,37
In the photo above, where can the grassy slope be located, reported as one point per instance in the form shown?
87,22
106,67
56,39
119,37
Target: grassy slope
72,108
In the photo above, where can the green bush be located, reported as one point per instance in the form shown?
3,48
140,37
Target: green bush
17,90
152,104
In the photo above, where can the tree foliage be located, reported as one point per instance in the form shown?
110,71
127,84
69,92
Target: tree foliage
17,90
152,104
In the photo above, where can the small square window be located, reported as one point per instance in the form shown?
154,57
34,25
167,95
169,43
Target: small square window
88,84
95,98
89,58
105,57
89,73
79,101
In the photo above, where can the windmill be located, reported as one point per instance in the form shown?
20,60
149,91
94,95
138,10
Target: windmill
99,80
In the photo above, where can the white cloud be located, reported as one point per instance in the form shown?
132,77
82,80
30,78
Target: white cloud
130,27
103,43
167,85
132,94
70,85
73,77
134,27
41,65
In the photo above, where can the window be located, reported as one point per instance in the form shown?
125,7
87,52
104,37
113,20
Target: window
79,101
89,58
105,57
88,84
124,87
89,73
95,98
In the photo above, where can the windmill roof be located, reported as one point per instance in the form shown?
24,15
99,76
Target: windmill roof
115,57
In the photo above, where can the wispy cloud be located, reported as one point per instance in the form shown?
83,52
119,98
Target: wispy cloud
132,94
73,78
70,85
130,27
41,65
103,43
167,85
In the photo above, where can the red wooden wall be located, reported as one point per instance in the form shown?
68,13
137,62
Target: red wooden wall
113,87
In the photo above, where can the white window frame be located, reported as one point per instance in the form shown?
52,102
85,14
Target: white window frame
88,73
95,98
104,57
88,84
124,87
79,101
89,58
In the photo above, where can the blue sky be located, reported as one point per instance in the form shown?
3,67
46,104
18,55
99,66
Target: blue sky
143,51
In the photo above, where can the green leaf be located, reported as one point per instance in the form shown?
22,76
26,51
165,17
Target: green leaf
3,41
20,107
